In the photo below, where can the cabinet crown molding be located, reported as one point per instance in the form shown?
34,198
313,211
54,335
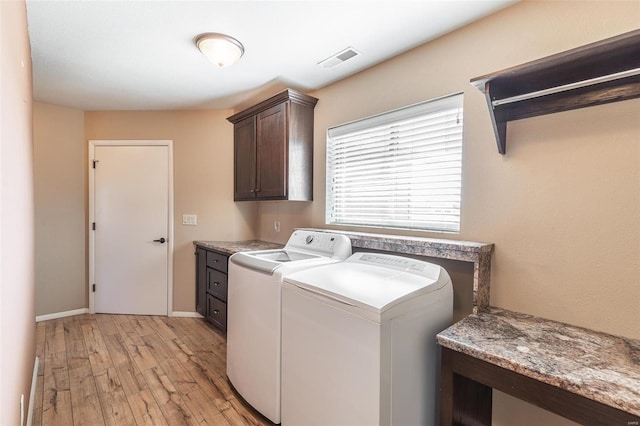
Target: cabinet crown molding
285,95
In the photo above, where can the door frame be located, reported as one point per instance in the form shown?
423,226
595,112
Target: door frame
134,142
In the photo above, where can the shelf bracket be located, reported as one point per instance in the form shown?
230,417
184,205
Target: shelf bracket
497,120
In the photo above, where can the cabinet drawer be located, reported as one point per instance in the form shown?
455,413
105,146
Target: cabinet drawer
217,284
217,312
217,261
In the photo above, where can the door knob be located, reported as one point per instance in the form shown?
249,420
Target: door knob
161,240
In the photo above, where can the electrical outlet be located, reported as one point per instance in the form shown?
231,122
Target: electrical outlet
190,219
276,226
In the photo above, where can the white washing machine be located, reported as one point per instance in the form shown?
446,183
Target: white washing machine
254,316
359,342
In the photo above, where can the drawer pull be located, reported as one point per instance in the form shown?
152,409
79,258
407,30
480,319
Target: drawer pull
216,312
216,283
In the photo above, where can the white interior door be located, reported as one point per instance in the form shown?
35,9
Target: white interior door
131,200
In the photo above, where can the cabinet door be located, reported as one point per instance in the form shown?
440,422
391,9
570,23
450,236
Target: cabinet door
245,159
201,281
217,312
272,141
217,284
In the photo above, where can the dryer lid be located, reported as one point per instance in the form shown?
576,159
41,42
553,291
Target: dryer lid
371,281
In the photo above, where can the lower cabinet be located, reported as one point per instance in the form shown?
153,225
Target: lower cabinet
211,286
217,312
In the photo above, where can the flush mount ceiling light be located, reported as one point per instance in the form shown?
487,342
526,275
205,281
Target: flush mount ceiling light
220,49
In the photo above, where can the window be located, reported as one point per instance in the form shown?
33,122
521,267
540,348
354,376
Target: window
400,169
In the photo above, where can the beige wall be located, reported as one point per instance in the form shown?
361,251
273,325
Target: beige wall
60,189
562,207
203,180
17,314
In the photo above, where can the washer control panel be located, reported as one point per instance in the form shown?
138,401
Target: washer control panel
322,243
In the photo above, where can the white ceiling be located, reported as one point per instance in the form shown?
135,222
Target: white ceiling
140,55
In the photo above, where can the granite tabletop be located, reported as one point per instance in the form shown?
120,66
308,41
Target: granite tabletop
598,366
231,247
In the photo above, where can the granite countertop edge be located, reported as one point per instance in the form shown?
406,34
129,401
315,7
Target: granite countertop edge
358,238
596,365
232,247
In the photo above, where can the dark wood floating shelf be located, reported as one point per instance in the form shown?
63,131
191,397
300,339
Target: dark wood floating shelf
598,73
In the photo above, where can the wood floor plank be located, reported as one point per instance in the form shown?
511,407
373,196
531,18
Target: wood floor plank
214,361
41,328
123,324
162,329
188,334
179,349
37,401
98,353
131,379
173,407
56,408
54,337
207,380
145,409
203,410
106,324
74,339
56,399
244,415
203,340
84,394
41,331
117,348
199,404
141,325
139,352
114,403
132,369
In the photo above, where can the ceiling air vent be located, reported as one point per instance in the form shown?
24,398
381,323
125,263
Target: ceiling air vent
339,57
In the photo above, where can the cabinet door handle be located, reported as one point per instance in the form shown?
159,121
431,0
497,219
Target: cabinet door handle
216,283
216,312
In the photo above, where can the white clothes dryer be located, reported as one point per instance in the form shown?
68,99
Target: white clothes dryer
254,316
359,342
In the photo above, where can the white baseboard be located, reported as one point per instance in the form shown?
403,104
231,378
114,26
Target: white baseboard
32,394
186,314
57,315
86,311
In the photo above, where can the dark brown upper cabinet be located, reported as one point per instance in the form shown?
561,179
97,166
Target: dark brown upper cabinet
273,149
598,73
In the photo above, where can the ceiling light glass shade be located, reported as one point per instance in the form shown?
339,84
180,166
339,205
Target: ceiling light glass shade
220,49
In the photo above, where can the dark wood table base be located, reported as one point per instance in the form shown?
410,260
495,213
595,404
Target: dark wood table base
467,385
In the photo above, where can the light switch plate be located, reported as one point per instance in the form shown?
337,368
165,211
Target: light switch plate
190,219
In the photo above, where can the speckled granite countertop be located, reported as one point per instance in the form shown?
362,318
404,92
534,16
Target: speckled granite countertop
231,247
598,366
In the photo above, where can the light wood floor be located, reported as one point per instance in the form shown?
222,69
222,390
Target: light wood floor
134,370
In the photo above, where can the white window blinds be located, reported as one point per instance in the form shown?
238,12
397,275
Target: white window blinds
400,169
